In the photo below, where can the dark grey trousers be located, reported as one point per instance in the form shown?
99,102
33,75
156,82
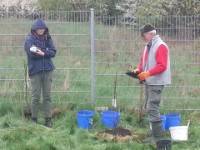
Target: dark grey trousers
41,82
152,103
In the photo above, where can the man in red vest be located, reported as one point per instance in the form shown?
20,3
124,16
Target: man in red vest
154,71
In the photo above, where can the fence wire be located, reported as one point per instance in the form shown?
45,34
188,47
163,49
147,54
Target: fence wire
117,48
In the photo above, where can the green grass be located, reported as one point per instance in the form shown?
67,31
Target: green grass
18,133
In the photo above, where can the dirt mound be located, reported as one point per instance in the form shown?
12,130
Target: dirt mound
120,135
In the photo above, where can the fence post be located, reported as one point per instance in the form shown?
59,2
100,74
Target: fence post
92,55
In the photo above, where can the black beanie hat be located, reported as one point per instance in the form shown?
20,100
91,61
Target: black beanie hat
146,28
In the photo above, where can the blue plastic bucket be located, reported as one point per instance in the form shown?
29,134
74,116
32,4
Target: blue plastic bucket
172,120
110,118
85,119
163,119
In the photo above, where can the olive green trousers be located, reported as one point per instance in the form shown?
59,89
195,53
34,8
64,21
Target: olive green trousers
41,83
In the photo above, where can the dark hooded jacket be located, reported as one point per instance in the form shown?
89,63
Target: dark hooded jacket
37,63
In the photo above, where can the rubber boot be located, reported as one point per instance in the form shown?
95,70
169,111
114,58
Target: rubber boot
156,132
48,122
34,120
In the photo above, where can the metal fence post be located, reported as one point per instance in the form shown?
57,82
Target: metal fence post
92,55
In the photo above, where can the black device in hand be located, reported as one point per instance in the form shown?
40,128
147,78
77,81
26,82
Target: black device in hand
132,74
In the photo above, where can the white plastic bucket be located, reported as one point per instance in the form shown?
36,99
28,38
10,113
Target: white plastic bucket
179,133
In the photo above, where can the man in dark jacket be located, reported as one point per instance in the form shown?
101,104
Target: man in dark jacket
40,48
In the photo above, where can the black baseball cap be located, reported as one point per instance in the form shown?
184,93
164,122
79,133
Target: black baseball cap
146,28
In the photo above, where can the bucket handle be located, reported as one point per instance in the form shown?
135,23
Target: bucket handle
188,123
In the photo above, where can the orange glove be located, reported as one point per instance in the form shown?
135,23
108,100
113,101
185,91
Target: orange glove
136,70
143,75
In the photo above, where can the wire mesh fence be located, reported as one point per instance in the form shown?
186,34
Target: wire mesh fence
83,70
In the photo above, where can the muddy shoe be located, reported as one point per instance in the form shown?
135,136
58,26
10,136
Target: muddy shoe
156,132
48,122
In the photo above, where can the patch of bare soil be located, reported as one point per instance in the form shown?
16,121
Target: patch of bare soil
120,135
55,113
